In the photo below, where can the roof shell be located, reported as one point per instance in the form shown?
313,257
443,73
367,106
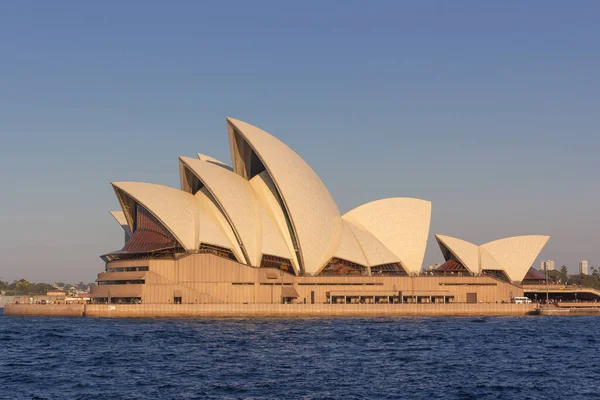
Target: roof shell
119,216
314,214
349,248
400,223
266,192
175,209
236,198
212,160
487,261
375,252
516,254
467,253
213,226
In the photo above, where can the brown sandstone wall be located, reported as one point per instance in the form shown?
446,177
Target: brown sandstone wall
305,310
45,310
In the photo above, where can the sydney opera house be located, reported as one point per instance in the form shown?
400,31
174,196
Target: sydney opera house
266,230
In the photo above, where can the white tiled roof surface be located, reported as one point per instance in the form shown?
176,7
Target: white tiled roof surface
375,252
467,253
265,190
401,224
237,199
176,209
314,214
212,160
516,254
213,226
349,248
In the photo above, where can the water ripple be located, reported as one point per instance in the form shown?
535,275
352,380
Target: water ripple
378,358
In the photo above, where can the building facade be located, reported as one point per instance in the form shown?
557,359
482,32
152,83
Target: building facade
583,267
547,265
267,230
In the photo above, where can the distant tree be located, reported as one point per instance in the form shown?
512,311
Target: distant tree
81,286
22,287
590,281
564,273
555,275
92,284
595,273
41,288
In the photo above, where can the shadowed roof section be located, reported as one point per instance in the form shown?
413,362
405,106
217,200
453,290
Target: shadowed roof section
316,223
119,216
534,274
465,252
175,209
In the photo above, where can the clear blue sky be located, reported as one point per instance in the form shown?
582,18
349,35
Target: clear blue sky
488,109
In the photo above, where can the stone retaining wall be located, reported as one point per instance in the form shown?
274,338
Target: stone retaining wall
269,310
47,310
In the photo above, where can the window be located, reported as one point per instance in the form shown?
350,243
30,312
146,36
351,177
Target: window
394,269
217,251
338,266
269,261
127,269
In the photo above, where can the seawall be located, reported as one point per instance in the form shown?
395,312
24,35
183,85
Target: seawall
46,310
268,310
568,311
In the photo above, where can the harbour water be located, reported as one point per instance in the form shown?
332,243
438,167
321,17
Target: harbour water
321,358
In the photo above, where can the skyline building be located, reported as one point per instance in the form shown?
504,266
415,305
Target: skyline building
547,265
583,267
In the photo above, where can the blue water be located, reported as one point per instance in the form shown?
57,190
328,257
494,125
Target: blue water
377,358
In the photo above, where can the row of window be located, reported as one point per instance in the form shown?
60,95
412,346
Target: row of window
127,269
123,282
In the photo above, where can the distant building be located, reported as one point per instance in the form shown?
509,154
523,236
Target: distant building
547,265
583,267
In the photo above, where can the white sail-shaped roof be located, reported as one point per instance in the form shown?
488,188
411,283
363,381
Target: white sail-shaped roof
266,192
401,224
272,241
212,160
213,226
175,209
465,252
513,255
236,199
119,216
314,215
375,252
349,248
487,261
516,254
